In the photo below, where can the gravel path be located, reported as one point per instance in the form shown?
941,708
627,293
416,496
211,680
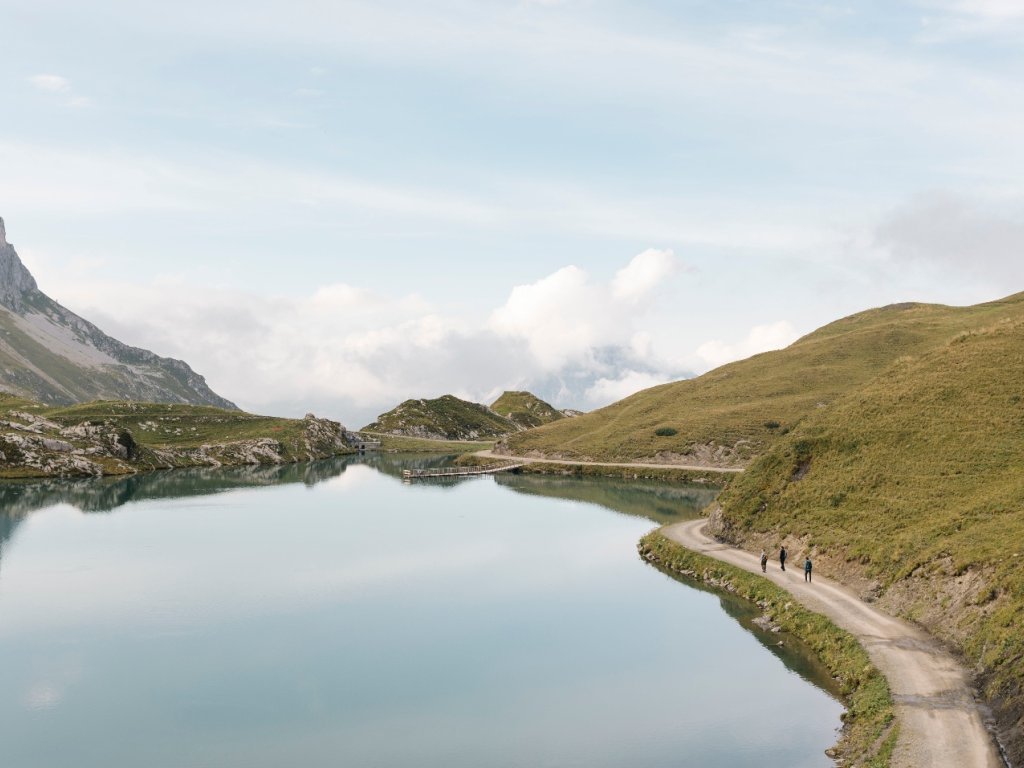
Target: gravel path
635,465
940,724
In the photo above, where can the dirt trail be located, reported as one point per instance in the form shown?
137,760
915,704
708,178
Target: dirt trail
940,724
635,465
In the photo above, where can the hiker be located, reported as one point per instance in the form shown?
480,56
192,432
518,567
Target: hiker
764,562
782,557
807,568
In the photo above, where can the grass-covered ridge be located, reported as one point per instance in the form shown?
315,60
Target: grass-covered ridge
736,412
443,418
868,735
118,437
525,409
913,487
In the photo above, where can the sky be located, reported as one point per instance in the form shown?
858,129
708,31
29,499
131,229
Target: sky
332,206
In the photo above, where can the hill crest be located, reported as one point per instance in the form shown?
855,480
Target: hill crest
731,414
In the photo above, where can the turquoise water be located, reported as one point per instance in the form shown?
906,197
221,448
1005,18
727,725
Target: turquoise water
329,615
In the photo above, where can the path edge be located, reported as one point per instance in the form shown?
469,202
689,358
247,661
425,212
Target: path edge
870,728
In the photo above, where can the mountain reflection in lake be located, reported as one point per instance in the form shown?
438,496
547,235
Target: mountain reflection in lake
328,614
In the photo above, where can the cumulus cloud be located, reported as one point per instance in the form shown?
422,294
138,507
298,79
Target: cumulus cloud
352,353
566,315
605,390
761,338
560,317
643,274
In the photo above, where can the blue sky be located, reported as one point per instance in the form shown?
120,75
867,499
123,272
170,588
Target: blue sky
337,205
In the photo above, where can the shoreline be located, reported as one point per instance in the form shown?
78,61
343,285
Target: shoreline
667,473
490,454
937,720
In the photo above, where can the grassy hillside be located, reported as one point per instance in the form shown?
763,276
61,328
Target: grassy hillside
733,413
913,488
525,409
443,418
116,437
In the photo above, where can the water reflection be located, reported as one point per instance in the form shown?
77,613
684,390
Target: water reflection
661,503
104,494
19,498
494,628
790,650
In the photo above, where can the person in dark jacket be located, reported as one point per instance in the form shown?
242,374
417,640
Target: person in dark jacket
764,562
782,557
807,568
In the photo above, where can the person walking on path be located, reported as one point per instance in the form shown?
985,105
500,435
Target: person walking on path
807,568
764,562
782,557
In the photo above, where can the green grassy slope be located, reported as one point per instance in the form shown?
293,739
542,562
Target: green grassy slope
525,409
443,418
156,425
913,486
402,444
733,413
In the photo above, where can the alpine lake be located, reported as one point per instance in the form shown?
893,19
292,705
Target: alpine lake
328,614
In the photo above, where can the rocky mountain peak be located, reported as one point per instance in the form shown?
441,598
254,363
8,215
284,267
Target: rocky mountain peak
16,282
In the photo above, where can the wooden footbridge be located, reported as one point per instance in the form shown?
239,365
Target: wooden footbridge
408,475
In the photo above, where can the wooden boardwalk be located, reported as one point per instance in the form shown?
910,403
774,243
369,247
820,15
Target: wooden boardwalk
408,475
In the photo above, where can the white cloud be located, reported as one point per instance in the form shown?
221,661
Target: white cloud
761,338
643,274
566,315
560,316
605,390
52,83
351,353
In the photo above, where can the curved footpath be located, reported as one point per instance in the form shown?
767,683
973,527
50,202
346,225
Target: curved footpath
634,464
940,724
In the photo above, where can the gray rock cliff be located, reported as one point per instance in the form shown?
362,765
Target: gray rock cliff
49,353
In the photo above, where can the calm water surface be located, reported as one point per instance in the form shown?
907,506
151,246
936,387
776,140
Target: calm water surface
328,615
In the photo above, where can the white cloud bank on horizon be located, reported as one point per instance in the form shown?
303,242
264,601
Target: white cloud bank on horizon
761,338
351,353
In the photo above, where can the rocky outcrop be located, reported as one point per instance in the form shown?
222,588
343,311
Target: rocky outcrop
16,282
35,446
